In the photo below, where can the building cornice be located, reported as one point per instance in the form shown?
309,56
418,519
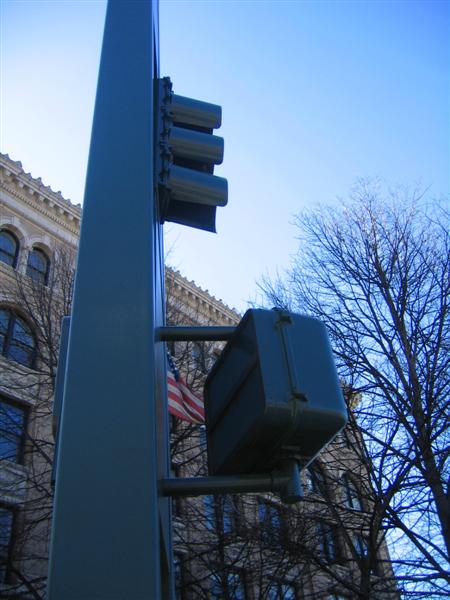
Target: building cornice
40,197
208,303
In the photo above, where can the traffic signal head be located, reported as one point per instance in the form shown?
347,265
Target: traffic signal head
273,395
186,151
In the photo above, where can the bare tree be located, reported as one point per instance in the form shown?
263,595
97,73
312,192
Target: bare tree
375,269
221,539
332,541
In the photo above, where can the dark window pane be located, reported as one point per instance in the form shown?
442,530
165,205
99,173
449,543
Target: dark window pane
271,525
288,592
236,587
12,418
37,260
274,592
12,430
269,514
229,586
352,498
21,332
199,358
7,243
178,575
327,542
22,355
315,480
216,590
360,545
4,320
9,448
16,339
210,512
229,515
6,518
37,266
8,248
6,525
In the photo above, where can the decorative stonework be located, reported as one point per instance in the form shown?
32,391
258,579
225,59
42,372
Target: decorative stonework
215,311
35,194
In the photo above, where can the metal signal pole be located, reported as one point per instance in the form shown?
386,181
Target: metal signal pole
111,531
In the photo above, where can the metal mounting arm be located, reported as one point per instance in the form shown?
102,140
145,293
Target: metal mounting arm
192,334
286,483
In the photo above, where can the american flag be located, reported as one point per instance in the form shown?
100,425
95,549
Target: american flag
183,403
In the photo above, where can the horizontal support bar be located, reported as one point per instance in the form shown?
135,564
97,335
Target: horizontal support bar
233,484
192,334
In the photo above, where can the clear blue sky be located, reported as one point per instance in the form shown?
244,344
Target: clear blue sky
314,95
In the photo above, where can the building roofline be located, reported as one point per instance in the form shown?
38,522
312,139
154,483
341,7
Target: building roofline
13,169
204,295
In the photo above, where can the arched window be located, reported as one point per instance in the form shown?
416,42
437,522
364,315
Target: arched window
352,497
38,266
16,339
9,248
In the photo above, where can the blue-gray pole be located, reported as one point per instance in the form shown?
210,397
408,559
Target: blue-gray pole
111,533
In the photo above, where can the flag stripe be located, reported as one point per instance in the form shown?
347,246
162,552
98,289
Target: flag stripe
176,405
183,403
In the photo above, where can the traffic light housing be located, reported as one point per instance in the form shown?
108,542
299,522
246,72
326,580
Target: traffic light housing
273,395
185,154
